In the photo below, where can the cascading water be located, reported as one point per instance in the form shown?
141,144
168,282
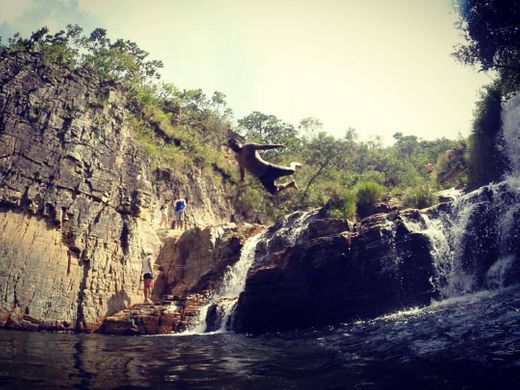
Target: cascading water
224,300
217,315
511,134
474,240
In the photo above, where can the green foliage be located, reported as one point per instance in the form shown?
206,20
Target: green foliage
309,127
420,196
121,61
486,164
342,203
262,128
492,35
187,130
367,195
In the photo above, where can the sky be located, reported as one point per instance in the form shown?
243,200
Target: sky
379,66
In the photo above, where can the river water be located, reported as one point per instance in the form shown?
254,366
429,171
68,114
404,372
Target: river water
469,342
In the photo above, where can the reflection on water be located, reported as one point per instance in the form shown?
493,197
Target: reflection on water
469,342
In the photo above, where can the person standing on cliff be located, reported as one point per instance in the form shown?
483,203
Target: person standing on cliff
165,210
248,159
147,276
180,211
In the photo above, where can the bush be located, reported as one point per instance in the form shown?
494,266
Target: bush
486,164
342,204
419,197
367,195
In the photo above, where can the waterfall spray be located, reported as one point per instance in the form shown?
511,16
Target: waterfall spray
222,305
511,134
233,283
475,240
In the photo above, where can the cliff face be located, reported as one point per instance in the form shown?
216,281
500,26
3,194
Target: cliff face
78,198
315,274
197,260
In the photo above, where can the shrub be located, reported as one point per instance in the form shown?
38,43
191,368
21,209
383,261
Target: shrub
486,164
419,197
342,204
367,195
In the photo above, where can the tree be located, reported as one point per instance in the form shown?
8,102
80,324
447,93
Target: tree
486,163
325,151
492,31
269,129
121,61
310,126
406,145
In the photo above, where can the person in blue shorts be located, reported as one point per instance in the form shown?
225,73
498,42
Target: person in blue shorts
180,211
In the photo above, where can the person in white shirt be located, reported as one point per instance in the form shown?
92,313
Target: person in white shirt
165,211
147,276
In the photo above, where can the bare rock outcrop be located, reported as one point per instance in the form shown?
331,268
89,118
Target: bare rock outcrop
196,261
78,198
324,276
190,268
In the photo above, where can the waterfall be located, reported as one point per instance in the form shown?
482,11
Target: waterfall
217,315
234,280
223,301
474,240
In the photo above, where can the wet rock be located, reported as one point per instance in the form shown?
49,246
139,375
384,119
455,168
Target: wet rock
333,278
196,260
169,316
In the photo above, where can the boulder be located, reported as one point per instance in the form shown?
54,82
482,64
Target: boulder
330,278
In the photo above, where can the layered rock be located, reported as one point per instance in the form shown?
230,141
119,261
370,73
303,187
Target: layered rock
326,276
169,316
196,261
190,268
78,197
311,270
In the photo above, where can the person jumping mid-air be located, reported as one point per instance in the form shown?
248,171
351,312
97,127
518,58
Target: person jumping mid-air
249,159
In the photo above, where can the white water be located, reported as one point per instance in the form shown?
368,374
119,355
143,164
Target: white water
234,279
233,283
448,231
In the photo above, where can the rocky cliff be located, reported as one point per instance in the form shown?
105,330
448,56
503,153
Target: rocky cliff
309,270
324,275
78,198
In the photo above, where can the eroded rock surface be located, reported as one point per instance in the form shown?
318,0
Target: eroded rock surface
78,198
323,276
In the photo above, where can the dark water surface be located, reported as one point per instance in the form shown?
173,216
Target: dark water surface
466,343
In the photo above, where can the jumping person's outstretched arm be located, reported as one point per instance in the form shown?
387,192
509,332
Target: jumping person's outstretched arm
267,146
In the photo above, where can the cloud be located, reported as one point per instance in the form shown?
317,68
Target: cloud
102,7
26,16
11,10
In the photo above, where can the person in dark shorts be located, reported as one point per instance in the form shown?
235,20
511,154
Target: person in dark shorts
147,276
249,160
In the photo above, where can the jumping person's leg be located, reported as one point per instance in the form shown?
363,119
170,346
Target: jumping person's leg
284,171
284,186
274,172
